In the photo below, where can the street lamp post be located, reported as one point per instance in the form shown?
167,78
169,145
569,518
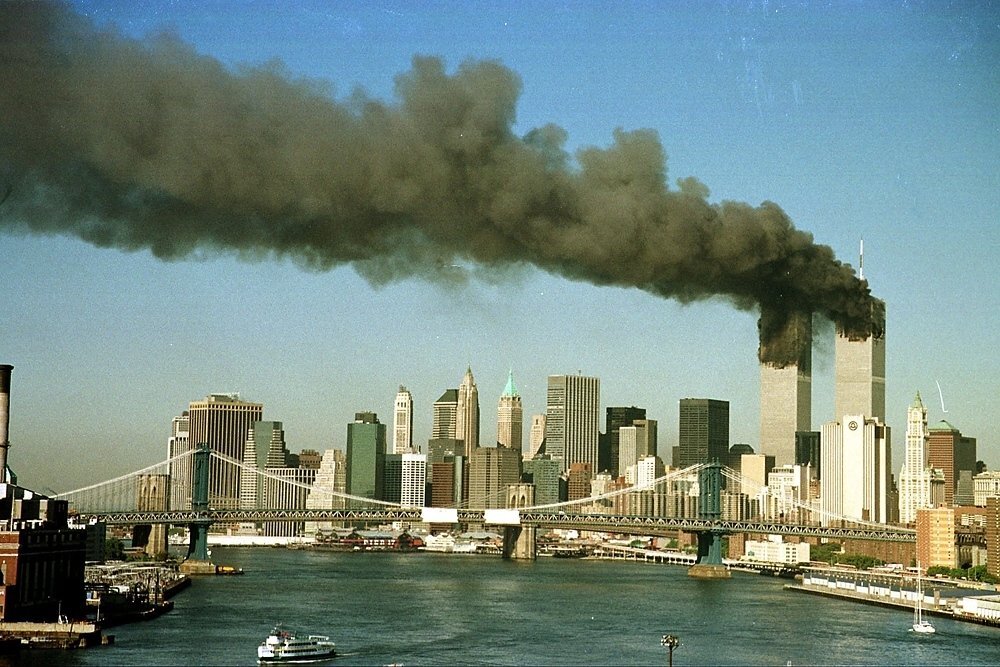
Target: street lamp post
670,642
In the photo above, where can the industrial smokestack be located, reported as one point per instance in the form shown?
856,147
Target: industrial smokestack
5,370
147,145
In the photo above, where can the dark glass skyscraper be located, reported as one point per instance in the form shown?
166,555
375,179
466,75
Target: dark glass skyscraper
807,450
544,473
366,456
703,433
616,417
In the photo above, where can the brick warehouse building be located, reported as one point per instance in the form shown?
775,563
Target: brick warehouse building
993,536
42,559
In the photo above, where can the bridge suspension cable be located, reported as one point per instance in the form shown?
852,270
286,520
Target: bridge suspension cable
671,476
311,488
126,477
758,490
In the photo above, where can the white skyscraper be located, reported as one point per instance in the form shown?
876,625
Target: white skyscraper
290,492
788,489
321,495
510,417
250,485
402,430
467,415
915,476
414,480
628,452
647,470
536,437
572,419
855,464
179,471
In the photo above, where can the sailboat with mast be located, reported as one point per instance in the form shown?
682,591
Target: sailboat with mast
919,624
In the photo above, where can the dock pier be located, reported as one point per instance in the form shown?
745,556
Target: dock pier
73,634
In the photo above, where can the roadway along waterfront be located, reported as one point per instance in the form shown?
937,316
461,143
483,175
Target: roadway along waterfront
426,608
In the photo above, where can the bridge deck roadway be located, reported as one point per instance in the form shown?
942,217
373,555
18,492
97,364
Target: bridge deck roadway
628,524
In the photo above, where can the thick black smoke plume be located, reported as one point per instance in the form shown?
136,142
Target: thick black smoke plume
148,145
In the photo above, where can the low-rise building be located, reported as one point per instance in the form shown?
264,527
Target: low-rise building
985,485
42,559
775,550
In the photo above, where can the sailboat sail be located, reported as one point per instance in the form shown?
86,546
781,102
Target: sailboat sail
919,624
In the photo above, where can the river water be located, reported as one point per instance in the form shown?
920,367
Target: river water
436,609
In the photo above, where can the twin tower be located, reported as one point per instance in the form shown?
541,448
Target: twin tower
786,390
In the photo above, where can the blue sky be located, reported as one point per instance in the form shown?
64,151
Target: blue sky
860,119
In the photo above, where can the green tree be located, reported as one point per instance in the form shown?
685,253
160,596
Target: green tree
826,553
860,561
114,549
977,573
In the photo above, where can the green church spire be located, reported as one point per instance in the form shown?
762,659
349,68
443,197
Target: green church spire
510,389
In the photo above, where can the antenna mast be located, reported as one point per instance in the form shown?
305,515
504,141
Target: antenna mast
861,265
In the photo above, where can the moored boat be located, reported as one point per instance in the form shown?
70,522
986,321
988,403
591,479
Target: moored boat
919,624
283,646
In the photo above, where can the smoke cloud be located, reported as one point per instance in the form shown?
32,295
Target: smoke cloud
147,145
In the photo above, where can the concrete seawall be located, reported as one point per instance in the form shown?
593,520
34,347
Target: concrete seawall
54,635
863,598
948,609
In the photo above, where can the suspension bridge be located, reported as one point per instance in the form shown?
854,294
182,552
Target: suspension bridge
709,500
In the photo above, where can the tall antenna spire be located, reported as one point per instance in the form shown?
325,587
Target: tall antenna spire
861,265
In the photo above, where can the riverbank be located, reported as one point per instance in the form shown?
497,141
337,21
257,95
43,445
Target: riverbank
979,609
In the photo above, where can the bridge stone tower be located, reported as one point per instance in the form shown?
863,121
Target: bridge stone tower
153,493
519,541
709,565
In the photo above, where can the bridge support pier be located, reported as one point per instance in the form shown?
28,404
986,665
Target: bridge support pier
519,543
519,540
198,541
197,561
152,538
709,565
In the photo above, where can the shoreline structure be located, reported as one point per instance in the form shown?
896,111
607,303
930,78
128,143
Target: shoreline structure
886,590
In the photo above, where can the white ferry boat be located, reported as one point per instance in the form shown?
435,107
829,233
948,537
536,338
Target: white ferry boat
283,646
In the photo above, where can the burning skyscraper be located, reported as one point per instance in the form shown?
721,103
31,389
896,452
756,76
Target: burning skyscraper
859,387
786,388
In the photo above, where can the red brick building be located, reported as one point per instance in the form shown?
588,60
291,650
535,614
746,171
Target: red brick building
580,475
951,452
993,536
41,559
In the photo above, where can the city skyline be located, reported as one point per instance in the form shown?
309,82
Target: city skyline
889,138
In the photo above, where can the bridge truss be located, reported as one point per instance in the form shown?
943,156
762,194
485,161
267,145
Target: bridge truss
163,494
